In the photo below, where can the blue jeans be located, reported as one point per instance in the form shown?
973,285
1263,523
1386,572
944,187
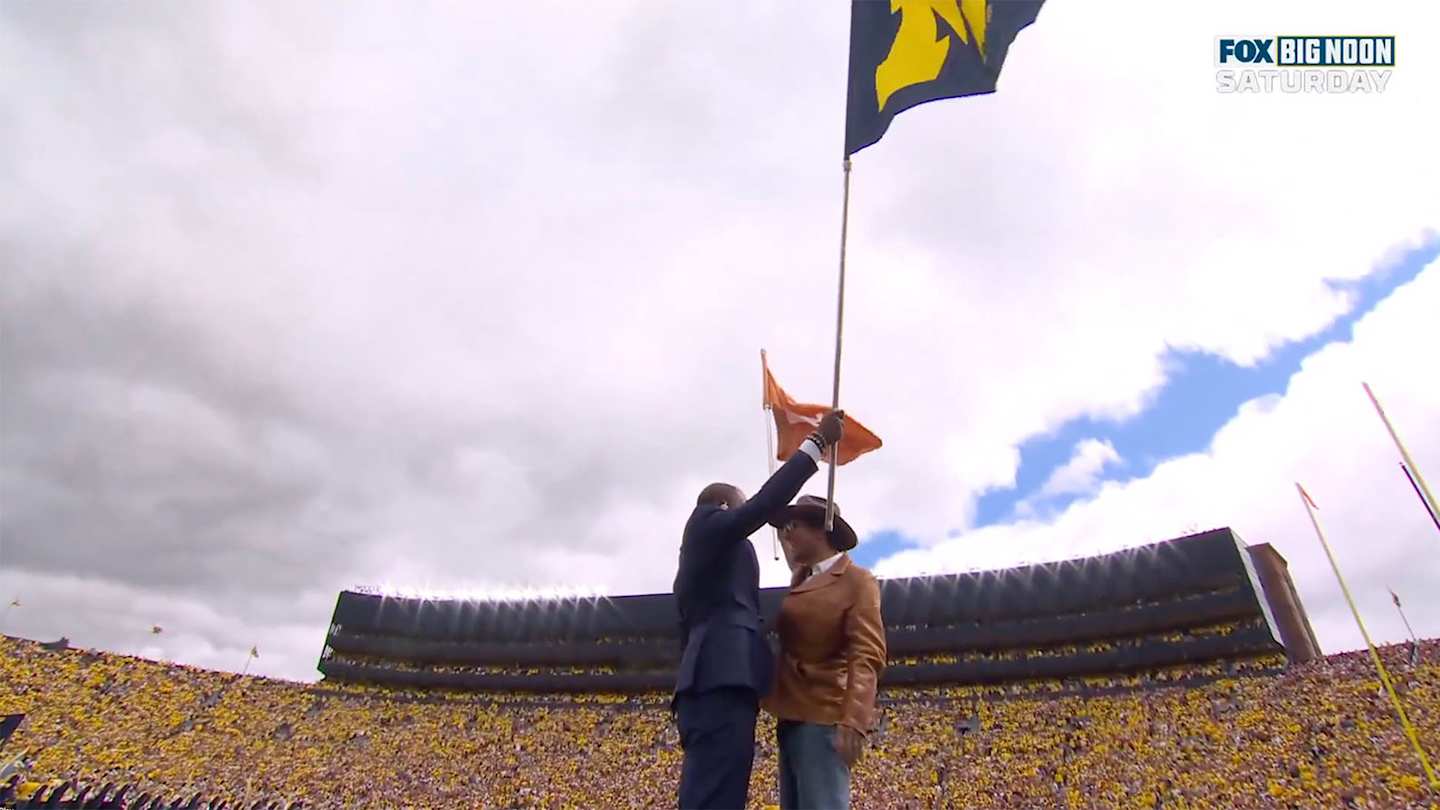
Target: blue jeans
812,774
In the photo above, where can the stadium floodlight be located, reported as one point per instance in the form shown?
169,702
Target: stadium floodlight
1009,563
486,593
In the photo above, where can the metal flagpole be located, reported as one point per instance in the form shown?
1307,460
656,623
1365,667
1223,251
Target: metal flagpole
1374,656
1414,642
769,437
839,334
1395,597
1431,512
1414,471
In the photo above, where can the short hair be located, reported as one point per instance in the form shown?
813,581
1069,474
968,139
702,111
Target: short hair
716,494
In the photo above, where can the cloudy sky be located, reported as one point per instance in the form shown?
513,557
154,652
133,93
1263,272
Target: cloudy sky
468,297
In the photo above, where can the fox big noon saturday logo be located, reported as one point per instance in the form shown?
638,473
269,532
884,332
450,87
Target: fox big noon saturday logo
1304,64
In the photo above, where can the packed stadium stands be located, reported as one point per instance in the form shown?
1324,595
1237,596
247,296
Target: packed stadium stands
1157,679
1314,735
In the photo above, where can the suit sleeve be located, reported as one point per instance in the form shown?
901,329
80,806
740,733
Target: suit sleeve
864,656
778,492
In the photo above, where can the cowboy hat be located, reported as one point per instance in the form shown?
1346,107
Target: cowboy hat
811,509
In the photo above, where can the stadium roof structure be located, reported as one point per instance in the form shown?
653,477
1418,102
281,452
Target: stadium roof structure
1203,597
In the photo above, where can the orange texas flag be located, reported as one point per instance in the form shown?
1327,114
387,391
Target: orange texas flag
796,420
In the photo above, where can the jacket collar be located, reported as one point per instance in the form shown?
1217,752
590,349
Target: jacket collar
821,580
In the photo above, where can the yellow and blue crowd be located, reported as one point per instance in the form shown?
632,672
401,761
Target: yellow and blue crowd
1317,735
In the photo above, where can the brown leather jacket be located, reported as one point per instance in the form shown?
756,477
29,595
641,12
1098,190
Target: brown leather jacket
832,649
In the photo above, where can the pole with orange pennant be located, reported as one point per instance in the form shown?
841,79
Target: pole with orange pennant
769,437
1414,642
1395,597
1410,469
1310,508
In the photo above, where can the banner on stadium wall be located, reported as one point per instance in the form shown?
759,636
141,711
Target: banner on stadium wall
8,724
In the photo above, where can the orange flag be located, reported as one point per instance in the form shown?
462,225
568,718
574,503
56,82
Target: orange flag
796,420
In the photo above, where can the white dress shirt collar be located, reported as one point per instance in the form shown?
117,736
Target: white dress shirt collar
825,565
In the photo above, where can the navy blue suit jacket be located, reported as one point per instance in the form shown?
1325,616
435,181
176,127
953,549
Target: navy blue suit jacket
717,588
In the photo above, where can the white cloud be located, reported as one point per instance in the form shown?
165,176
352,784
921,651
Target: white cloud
1323,433
1081,474
199,631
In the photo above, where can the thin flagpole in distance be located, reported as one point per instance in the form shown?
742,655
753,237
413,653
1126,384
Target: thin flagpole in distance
1394,597
839,334
1408,477
1374,656
1411,469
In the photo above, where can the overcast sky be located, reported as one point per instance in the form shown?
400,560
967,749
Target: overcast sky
470,296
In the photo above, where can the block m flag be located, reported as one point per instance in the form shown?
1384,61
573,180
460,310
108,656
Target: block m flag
908,52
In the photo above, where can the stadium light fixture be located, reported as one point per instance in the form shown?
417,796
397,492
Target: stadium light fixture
1060,561
506,593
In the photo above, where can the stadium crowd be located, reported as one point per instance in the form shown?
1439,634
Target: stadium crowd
1317,735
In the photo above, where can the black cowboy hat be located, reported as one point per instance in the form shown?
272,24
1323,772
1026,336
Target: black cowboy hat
811,509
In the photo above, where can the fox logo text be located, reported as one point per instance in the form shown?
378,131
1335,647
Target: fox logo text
1304,64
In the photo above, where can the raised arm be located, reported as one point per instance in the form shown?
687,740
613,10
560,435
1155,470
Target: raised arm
785,484
774,495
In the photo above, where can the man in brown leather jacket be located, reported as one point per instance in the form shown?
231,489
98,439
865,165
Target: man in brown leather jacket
832,651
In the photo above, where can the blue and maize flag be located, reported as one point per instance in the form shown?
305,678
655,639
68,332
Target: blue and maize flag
908,52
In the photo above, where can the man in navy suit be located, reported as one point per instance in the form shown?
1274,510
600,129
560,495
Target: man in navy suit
726,666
